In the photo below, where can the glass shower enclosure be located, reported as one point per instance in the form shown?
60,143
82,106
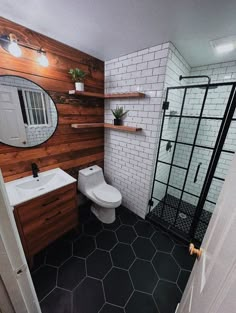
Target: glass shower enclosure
196,146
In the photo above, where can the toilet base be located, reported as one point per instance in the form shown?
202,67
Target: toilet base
106,216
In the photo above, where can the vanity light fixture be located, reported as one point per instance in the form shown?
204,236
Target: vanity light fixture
13,47
42,59
11,44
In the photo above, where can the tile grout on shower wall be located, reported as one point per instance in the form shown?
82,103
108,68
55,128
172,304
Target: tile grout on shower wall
129,158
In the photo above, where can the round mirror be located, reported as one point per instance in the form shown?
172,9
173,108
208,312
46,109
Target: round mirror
28,115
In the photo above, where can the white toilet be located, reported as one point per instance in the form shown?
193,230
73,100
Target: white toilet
105,198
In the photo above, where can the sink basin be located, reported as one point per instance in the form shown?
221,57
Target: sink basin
37,182
30,187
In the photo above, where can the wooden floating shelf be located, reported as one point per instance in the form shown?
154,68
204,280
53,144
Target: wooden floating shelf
106,125
108,96
86,94
124,95
122,128
88,125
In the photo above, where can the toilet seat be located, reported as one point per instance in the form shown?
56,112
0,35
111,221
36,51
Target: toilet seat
107,194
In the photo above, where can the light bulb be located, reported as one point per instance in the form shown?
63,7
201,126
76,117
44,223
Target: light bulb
43,60
14,49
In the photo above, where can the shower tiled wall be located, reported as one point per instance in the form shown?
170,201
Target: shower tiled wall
130,158
214,107
176,66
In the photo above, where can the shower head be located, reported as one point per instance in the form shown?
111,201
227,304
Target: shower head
195,76
199,76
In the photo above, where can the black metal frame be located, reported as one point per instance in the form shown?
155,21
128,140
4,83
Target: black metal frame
216,150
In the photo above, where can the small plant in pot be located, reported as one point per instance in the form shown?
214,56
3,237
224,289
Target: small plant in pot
118,114
78,77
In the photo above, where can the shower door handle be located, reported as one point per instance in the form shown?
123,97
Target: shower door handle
197,171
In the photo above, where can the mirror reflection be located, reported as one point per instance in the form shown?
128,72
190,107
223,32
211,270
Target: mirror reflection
28,116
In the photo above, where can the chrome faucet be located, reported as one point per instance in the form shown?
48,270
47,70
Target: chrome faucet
35,169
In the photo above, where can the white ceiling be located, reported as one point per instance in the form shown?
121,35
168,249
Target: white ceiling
111,28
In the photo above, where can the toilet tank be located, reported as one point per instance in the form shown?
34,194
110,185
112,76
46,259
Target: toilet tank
89,178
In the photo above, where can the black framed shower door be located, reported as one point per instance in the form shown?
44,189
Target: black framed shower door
191,153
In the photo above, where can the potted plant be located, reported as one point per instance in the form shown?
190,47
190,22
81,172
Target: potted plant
78,76
118,114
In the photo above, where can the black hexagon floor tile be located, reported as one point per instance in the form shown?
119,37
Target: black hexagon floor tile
88,297
143,248
44,280
165,266
74,234
117,286
140,303
106,240
183,258
122,255
39,260
128,218
71,273
92,227
144,229
103,280
126,234
167,296
121,210
57,301
183,279
84,246
58,252
143,276
113,226
162,242
108,308
98,264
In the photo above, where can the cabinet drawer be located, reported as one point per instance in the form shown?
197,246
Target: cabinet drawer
49,232
34,209
37,226
44,219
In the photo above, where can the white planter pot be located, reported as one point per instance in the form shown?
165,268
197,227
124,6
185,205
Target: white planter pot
79,86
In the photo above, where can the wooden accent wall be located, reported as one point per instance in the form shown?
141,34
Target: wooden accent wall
69,148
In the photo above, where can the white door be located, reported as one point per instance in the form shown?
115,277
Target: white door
212,284
12,128
16,288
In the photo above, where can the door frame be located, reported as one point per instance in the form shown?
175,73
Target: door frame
17,113
14,270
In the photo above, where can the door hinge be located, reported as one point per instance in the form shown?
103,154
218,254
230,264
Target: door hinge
165,105
150,202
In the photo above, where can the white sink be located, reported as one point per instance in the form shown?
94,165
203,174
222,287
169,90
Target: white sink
37,182
30,187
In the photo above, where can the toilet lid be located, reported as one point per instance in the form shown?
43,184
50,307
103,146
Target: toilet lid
107,193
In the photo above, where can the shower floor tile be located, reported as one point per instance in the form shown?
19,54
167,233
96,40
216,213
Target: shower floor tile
130,266
166,210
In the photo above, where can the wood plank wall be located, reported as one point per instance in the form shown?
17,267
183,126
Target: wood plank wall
69,148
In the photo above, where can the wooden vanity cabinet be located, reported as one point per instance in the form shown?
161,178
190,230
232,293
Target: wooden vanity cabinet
42,220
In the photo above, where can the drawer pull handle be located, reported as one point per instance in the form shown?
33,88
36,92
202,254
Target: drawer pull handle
47,203
55,215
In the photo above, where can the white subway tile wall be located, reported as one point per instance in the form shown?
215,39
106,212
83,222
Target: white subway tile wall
130,158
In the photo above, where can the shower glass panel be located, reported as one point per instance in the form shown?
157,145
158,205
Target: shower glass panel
198,131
